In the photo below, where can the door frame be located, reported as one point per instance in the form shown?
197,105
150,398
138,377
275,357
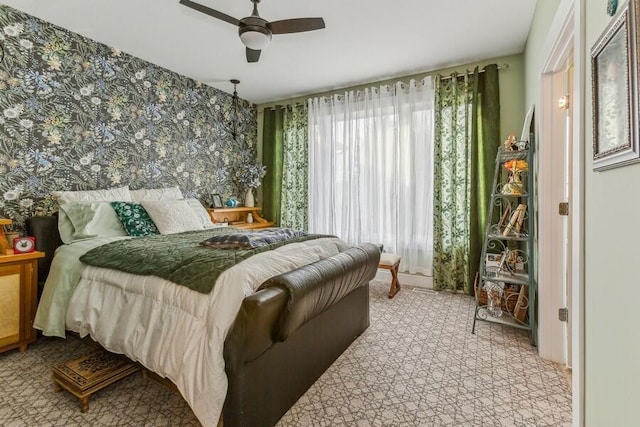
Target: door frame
567,34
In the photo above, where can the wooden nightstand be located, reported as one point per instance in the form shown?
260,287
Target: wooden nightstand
237,217
18,295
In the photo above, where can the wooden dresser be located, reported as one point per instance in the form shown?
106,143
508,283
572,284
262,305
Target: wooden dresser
237,217
18,298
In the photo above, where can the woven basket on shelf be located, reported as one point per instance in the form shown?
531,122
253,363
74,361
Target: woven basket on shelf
508,301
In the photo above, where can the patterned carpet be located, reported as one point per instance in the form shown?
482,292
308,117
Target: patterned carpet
417,365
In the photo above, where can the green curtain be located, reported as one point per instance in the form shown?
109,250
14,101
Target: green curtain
272,146
294,208
485,140
285,154
467,135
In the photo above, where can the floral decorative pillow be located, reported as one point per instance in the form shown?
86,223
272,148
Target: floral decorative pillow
135,219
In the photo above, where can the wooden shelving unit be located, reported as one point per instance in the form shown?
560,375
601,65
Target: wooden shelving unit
237,217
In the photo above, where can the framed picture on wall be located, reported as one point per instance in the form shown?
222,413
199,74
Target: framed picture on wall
614,68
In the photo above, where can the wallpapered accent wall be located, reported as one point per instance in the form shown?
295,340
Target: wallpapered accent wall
78,115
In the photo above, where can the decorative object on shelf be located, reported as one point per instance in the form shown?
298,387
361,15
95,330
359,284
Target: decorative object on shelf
494,297
24,245
5,246
522,304
231,203
523,144
11,235
516,221
614,78
515,186
612,6
250,218
249,201
510,142
216,201
250,178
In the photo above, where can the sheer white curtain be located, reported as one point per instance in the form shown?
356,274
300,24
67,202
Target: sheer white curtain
371,169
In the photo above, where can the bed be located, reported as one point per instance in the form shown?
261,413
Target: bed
243,352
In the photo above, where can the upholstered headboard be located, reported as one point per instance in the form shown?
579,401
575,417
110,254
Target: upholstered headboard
45,230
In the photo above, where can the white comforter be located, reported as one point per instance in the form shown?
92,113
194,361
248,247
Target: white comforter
174,331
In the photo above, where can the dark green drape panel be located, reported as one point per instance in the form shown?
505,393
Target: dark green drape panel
467,136
272,143
485,140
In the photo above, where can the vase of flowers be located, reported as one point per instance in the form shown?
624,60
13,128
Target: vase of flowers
250,178
249,201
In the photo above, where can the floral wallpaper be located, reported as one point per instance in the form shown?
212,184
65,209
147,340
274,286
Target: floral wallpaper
78,115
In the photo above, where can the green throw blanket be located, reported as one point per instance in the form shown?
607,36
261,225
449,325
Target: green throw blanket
178,258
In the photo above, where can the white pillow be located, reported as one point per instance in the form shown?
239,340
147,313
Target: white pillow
172,216
200,212
121,194
166,193
85,220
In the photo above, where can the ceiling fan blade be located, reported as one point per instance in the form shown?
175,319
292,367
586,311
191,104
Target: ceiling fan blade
296,25
211,12
253,55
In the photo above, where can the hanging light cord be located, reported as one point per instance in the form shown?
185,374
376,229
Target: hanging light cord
234,131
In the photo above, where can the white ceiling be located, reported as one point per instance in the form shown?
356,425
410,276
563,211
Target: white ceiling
364,41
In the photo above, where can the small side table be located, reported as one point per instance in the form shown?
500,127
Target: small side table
391,262
87,374
18,299
237,217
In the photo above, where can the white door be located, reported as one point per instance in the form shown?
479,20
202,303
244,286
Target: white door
568,185
565,46
554,239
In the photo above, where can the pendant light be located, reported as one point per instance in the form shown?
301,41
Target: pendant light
235,101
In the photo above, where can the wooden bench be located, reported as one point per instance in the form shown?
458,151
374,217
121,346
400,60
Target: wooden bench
391,262
91,372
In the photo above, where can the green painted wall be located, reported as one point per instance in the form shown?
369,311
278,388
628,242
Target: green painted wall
612,344
534,52
612,341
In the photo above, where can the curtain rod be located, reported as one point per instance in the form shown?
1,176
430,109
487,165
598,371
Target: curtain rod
297,104
500,67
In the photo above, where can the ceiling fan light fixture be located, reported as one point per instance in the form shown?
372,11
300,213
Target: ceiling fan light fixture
254,31
255,38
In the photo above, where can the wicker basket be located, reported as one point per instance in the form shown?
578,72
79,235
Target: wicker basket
508,301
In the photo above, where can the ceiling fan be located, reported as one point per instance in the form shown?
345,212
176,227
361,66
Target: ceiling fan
255,32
